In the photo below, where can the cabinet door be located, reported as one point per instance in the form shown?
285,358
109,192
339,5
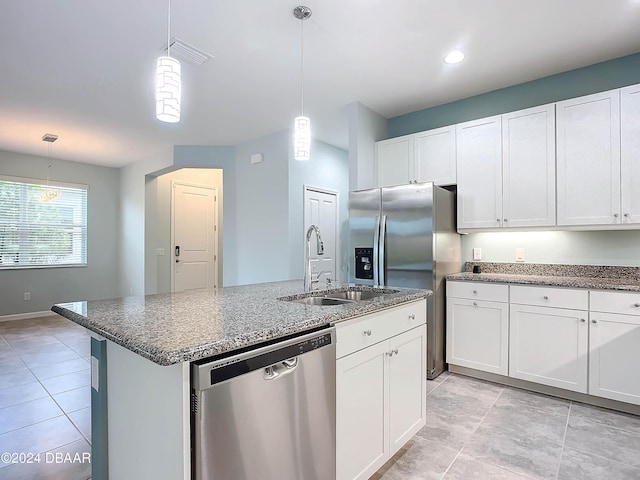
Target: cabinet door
407,386
614,357
362,422
529,167
549,346
588,156
479,172
630,153
478,335
435,156
394,161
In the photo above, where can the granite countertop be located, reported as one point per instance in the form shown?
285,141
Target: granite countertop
188,326
573,276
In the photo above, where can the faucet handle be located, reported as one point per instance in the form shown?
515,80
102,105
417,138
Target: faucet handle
328,281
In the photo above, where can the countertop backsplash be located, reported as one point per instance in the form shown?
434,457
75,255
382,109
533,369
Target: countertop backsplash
557,270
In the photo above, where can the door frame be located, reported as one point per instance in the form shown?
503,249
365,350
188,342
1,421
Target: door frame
216,230
309,188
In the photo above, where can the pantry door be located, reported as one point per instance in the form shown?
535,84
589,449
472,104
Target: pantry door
194,233
321,209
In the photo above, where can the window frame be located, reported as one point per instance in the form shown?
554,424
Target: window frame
84,227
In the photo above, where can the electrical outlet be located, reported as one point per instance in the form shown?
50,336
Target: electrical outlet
477,253
27,295
519,254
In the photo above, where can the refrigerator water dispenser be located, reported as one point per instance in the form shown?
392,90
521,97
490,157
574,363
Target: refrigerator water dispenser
364,263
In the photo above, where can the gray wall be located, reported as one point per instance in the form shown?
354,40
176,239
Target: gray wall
54,285
594,248
263,202
328,168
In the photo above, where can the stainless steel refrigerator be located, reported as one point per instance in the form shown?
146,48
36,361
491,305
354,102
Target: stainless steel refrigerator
405,236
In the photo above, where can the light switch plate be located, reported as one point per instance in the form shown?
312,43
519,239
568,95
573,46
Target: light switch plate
519,254
477,253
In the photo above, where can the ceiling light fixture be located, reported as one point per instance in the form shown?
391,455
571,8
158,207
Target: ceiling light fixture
168,83
302,124
456,56
50,193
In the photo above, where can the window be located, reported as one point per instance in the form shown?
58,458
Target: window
41,224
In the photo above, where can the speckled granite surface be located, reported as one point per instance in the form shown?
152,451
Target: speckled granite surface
182,327
594,277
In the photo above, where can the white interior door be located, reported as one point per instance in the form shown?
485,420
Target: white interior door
321,209
194,232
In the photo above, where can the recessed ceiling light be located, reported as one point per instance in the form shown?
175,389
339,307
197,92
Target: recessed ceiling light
454,57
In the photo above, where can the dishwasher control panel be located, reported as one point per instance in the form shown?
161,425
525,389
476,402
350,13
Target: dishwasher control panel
232,367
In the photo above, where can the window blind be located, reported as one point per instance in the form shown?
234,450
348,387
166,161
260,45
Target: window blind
42,224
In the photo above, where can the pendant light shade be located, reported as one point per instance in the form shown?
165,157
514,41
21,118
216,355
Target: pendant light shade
302,124
302,138
168,89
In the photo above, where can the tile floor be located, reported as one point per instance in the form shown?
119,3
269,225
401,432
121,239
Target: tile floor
475,429
481,430
45,398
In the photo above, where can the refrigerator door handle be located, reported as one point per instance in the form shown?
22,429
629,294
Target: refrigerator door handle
381,250
376,241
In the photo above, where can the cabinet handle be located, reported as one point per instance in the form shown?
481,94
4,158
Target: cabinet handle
367,333
626,215
546,297
395,350
475,304
505,220
615,215
582,320
594,321
475,292
637,305
498,220
412,316
390,354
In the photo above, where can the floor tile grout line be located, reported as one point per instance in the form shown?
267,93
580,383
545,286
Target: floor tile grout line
564,439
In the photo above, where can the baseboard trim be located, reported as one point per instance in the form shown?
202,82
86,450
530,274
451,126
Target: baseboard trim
548,390
22,316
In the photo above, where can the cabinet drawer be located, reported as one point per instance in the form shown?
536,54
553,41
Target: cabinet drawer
362,332
491,292
550,297
614,302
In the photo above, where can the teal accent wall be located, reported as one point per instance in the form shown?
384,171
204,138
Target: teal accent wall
616,73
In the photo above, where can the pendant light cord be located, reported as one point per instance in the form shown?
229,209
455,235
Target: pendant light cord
169,31
301,66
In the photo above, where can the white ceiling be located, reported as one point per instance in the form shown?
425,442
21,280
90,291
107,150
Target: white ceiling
84,69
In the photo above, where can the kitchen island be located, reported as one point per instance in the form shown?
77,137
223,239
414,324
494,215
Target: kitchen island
141,373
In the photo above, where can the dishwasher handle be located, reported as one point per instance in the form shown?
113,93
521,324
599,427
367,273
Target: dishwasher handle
280,369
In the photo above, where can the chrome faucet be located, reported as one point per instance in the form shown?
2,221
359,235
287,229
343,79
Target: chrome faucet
308,277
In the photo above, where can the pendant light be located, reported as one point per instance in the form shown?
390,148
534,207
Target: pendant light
168,83
302,124
50,193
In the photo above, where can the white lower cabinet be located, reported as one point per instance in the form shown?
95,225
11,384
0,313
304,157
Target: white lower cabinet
549,346
614,350
478,329
549,336
380,391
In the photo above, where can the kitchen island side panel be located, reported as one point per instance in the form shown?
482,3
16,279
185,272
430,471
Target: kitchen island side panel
148,420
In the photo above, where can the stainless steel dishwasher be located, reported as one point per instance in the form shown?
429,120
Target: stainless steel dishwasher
268,413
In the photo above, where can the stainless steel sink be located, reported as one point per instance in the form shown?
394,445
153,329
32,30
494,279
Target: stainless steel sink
322,301
358,295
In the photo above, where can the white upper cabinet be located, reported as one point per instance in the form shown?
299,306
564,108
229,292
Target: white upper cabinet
630,153
435,156
529,167
394,161
479,172
588,159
